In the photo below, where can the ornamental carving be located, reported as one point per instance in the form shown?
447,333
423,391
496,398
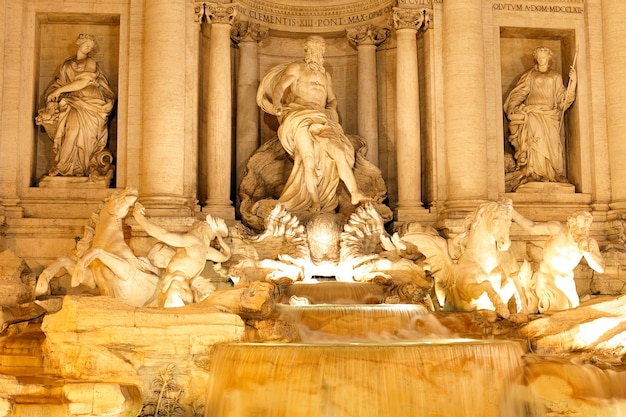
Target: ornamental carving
215,12
246,31
411,18
367,35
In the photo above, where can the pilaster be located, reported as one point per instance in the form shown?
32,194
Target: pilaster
407,21
163,106
367,38
614,36
247,35
464,103
219,118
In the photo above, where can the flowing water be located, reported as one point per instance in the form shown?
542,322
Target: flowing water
362,361
372,323
459,377
359,358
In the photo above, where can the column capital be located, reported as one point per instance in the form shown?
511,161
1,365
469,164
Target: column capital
246,31
411,18
367,35
215,12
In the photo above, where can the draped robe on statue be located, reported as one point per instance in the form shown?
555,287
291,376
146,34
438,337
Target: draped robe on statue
322,130
82,131
537,138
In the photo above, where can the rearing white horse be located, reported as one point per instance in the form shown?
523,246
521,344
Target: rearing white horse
477,271
104,260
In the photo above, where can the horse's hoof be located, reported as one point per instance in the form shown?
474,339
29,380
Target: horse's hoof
503,311
518,318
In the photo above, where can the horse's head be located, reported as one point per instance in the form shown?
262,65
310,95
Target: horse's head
496,219
120,202
500,224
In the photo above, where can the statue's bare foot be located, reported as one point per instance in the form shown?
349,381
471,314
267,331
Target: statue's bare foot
358,197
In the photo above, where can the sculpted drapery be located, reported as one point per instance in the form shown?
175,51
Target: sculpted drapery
322,129
535,108
81,98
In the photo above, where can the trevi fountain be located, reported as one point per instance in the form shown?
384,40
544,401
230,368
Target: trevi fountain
313,208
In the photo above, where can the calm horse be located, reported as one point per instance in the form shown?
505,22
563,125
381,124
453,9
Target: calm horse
104,260
476,271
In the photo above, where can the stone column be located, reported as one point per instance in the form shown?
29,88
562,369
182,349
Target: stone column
408,143
247,133
367,38
163,139
614,41
464,103
219,108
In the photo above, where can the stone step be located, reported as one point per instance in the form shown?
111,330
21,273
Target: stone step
48,396
10,362
22,355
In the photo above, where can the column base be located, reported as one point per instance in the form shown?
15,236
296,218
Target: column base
166,206
618,206
11,208
221,210
413,213
459,209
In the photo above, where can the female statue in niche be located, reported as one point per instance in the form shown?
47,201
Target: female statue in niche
78,104
535,109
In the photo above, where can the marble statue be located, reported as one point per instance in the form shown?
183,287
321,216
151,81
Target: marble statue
358,250
78,104
300,94
476,271
535,109
103,260
552,286
181,283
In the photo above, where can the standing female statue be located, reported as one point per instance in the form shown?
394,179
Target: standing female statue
535,110
78,104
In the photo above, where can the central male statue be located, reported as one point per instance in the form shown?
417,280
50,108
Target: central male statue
300,94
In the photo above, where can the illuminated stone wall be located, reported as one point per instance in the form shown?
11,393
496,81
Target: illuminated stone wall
157,55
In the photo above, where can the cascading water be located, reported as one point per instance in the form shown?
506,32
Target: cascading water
373,344
361,361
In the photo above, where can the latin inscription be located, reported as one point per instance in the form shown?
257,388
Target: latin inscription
544,8
274,19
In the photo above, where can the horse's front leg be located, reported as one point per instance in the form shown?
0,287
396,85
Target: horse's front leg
513,286
43,281
121,267
475,290
81,274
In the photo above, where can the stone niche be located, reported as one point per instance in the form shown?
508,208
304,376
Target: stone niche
516,57
56,35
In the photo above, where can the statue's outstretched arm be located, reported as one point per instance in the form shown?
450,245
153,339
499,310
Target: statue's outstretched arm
593,256
538,228
177,240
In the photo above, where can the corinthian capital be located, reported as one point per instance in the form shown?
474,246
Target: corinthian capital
367,35
220,12
245,31
405,18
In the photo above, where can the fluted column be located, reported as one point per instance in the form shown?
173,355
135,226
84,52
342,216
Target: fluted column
219,108
367,38
614,36
163,105
248,36
408,144
464,102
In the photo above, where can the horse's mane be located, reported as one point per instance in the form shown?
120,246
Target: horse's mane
84,243
486,212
